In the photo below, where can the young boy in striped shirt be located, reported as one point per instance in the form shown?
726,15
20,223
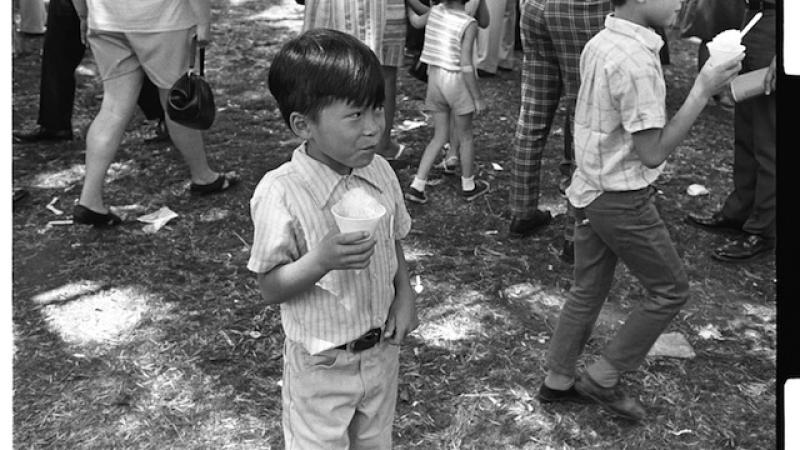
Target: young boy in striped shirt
345,298
622,138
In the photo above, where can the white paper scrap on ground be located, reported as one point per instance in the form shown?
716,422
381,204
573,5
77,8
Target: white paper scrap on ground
408,125
496,166
710,331
52,208
672,345
696,189
156,220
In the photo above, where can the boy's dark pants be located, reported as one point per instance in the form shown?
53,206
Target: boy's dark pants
621,226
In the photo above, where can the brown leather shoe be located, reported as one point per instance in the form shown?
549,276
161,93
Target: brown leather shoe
42,134
613,399
715,222
744,249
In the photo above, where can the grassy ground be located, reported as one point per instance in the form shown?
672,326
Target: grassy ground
125,339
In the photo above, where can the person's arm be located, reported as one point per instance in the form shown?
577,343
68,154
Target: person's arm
654,145
83,12
467,69
417,6
202,12
769,79
402,318
336,251
482,14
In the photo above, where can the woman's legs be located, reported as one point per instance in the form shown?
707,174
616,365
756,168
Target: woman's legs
105,135
190,143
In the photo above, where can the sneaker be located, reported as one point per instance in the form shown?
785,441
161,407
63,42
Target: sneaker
481,187
416,196
550,395
526,227
613,399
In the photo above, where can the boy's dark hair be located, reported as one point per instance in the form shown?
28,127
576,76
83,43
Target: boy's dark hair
618,2
320,67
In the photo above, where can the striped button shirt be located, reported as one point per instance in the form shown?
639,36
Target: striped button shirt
291,212
443,34
622,91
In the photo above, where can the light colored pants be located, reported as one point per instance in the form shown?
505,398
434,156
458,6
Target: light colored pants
337,399
33,16
495,44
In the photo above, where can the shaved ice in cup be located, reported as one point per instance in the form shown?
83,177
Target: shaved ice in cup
357,211
725,46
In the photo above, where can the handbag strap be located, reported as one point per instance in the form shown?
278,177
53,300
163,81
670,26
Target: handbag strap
193,51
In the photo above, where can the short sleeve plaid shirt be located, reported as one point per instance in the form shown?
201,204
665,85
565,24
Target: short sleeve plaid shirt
291,212
622,91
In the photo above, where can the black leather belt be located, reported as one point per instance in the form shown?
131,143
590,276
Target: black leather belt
366,341
759,5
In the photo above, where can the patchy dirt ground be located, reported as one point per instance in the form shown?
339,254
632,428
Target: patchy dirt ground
125,339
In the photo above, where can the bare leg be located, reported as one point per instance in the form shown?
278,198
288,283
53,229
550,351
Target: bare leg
105,135
441,133
386,147
466,149
190,143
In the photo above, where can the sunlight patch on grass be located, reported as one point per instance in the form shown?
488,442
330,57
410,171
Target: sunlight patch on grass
85,312
457,318
288,14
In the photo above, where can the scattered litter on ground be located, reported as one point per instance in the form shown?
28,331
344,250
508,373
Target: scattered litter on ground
409,125
52,208
156,220
496,166
418,288
214,214
710,331
672,345
696,189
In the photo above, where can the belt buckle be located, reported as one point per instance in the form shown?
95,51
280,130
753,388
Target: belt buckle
370,338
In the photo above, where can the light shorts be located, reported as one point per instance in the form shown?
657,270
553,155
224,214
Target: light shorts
163,56
447,91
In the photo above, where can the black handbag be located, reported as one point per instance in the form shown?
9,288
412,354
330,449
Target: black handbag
190,101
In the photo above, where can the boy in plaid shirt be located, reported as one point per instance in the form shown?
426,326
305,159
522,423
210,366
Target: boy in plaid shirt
622,138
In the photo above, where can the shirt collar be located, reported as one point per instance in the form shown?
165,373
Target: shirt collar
322,181
646,36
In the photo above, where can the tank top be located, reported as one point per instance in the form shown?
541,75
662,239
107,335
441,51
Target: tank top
443,35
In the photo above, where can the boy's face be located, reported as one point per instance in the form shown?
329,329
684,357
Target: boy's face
661,13
344,136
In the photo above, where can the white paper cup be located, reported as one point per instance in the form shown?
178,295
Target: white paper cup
352,224
719,55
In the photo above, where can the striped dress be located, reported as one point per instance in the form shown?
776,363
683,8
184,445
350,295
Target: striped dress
380,24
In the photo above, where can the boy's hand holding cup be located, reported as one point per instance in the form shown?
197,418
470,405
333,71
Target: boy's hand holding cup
357,215
724,63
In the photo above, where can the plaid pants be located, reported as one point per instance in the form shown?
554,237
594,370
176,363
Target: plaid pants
553,34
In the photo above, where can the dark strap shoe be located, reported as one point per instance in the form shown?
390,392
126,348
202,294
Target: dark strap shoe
744,249
526,227
613,399
549,395
42,134
714,222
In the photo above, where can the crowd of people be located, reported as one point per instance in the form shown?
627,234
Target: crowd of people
346,299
